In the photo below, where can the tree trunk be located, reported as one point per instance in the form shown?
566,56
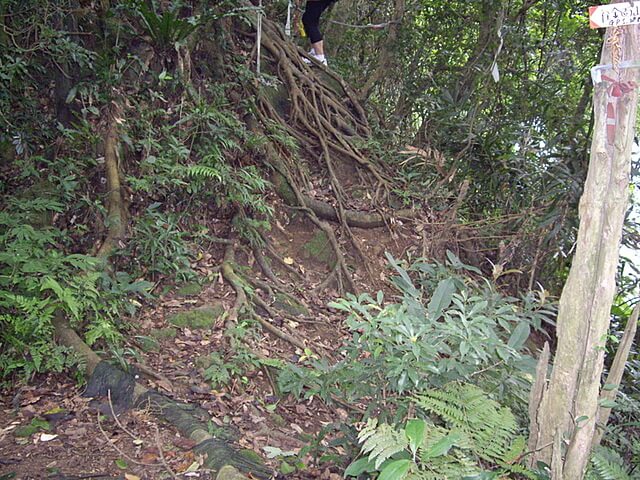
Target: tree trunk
570,402
615,374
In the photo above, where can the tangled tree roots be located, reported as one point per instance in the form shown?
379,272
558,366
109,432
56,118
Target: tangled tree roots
322,113
217,450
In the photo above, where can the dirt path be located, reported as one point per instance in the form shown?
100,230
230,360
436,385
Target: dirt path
48,430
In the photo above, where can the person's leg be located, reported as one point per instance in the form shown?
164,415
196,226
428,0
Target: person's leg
318,47
311,22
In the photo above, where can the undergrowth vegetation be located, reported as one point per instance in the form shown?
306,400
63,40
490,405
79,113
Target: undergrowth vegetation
38,281
445,326
448,345
436,375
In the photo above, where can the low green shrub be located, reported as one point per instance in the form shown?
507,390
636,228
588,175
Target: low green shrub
38,280
445,326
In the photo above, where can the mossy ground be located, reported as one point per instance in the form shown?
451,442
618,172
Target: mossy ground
164,333
189,289
199,318
319,249
289,305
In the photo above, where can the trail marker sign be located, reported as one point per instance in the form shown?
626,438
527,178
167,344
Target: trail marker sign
614,15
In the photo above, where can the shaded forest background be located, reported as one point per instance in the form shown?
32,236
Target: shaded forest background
438,161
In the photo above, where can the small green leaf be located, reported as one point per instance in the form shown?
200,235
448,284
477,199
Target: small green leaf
359,466
607,403
483,476
286,469
72,94
608,387
442,446
441,298
121,464
414,431
396,470
41,424
519,335
582,418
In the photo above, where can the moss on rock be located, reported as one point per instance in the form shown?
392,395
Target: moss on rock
203,317
149,343
189,289
284,189
289,305
164,333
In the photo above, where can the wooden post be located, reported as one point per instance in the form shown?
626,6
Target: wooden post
570,402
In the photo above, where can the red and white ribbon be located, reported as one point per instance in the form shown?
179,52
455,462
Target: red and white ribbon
616,90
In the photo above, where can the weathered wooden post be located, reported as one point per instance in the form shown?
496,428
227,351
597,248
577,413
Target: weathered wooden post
563,427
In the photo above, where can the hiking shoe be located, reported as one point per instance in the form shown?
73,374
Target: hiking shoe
320,58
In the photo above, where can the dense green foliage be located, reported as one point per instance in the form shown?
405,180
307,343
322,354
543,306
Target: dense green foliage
39,280
446,326
492,96
472,430
522,141
179,166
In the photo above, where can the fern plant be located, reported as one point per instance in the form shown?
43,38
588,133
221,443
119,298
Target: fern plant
462,432
466,408
37,279
607,464
167,29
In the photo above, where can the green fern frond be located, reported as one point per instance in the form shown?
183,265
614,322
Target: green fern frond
368,429
382,443
607,465
490,427
519,470
203,171
444,405
456,464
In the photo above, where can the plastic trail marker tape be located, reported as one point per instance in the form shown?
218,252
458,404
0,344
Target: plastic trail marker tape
616,89
596,72
614,15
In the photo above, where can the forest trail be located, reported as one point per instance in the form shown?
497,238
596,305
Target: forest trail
178,347
282,263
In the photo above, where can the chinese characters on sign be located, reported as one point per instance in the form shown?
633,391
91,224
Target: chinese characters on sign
614,15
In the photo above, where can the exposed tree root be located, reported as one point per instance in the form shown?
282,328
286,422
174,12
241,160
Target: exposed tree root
326,120
242,301
235,281
274,255
265,267
218,453
116,209
355,218
275,161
